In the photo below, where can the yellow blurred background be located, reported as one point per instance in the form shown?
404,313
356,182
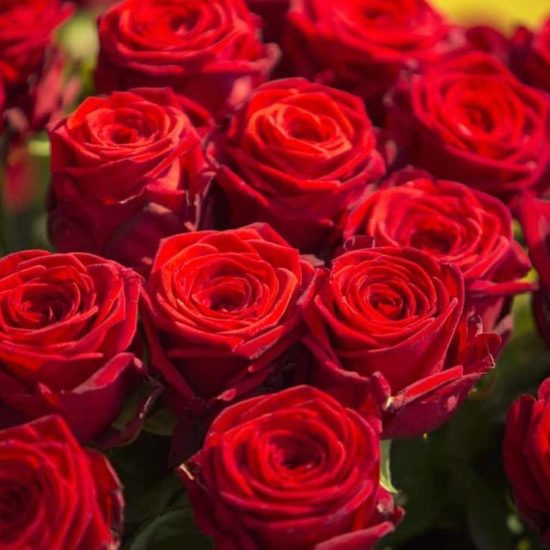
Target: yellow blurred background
504,13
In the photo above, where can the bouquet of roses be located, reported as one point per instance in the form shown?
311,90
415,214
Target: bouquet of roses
248,245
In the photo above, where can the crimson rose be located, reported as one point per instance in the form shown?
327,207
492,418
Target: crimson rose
294,469
534,216
127,170
362,45
454,224
54,494
470,120
392,320
296,156
66,324
526,448
221,310
207,50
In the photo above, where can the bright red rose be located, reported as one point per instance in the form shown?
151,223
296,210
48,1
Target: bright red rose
362,45
66,325
207,50
392,320
293,469
296,156
470,120
534,216
530,56
30,65
55,494
456,225
127,170
526,447
221,311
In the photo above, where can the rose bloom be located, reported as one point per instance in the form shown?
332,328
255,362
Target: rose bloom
362,45
525,448
127,170
530,56
66,325
456,225
470,120
221,312
296,156
207,50
54,494
534,216
293,469
393,321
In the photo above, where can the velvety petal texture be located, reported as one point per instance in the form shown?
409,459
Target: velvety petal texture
393,320
53,493
454,224
221,310
127,170
67,324
362,45
296,156
293,469
526,448
469,119
207,50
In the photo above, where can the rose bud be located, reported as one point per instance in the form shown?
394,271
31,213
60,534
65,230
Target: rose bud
470,120
530,56
67,322
55,494
392,321
453,224
293,469
127,170
221,313
207,50
525,449
296,156
534,216
362,46
29,59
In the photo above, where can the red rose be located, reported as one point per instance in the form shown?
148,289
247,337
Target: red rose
221,309
534,216
454,224
290,470
66,324
207,50
530,56
296,156
361,46
526,448
393,320
127,171
470,120
54,494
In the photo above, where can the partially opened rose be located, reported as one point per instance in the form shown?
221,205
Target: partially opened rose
454,224
55,494
127,171
222,311
393,320
534,216
67,322
525,450
470,120
208,50
297,156
530,56
290,470
362,45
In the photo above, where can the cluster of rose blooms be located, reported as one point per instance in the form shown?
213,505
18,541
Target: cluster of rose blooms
305,243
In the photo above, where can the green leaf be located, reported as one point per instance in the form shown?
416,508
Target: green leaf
385,467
